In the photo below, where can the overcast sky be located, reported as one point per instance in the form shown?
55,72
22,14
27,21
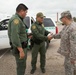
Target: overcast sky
48,7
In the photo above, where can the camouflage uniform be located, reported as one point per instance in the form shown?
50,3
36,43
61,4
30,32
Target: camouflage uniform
68,46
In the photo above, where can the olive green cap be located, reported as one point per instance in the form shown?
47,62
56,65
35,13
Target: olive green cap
40,14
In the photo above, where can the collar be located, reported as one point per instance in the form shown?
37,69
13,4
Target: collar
69,24
19,16
38,23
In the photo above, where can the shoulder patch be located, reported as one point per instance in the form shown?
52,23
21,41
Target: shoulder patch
33,27
16,21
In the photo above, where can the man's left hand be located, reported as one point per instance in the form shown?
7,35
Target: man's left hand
30,36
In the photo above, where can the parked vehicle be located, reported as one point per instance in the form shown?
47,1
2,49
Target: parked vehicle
49,25
4,40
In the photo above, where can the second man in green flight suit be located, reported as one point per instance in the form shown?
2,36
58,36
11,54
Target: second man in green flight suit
39,39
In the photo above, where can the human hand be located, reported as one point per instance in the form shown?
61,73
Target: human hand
21,52
50,34
22,55
30,36
49,37
72,61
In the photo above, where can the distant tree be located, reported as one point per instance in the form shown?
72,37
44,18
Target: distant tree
74,18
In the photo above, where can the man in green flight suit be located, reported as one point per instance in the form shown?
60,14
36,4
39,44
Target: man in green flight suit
18,37
39,39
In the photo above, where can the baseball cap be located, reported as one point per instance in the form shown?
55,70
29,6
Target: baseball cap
65,13
40,14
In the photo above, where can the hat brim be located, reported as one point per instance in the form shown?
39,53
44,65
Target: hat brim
42,16
61,18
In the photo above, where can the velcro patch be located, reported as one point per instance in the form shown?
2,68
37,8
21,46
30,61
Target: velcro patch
16,21
33,27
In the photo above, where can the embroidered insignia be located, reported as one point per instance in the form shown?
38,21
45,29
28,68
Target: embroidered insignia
16,21
33,27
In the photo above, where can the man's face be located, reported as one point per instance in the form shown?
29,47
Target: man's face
23,13
40,19
64,20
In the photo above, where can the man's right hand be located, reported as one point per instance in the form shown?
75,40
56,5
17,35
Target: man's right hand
21,53
49,37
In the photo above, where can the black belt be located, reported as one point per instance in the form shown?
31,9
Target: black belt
24,45
37,41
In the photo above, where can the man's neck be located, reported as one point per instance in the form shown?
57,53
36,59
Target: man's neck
38,22
20,16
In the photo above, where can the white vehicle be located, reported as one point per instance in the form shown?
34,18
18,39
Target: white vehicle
29,21
4,40
50,25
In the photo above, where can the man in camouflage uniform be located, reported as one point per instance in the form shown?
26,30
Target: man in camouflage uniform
18,37
68,42
39,39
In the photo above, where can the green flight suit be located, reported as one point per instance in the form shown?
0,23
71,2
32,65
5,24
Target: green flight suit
39,39
17,35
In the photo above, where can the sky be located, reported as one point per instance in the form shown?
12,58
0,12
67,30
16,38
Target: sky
48,7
